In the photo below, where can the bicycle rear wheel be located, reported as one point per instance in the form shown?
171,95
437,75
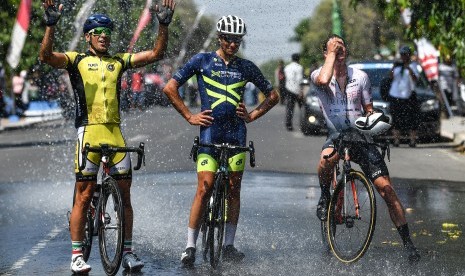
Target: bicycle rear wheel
217,222
350,228
111,227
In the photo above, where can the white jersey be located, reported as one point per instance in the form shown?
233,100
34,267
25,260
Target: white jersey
341,110
294,73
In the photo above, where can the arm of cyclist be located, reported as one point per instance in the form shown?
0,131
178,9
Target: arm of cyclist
334,45
271,100
164,15
200,119
46,53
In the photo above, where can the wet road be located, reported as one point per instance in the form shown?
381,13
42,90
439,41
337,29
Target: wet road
278,231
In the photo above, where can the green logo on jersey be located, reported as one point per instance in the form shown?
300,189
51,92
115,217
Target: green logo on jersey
216,73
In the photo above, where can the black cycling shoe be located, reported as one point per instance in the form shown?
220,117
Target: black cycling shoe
231,254
322,208
188,256
412,252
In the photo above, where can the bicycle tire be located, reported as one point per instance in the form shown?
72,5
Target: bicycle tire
204,229
350,236
111,227
216,227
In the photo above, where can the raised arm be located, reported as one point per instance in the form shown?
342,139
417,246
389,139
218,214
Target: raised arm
164,15
46,54
334,45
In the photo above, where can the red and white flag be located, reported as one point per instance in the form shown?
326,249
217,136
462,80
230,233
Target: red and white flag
428,56
18,36
143,21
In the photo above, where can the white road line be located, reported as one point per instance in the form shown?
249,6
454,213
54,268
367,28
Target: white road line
34,250
453,155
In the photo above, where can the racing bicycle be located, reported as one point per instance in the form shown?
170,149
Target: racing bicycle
351,219
216,213
105,216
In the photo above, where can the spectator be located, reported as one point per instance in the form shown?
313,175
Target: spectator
448,80
17,84
250,94
280,81
294,73
137,87
403,99
2,91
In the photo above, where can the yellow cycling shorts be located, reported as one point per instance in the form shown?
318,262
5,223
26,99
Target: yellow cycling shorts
120,163
206,162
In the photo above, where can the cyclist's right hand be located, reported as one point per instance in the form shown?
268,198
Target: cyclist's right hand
201,119
52,14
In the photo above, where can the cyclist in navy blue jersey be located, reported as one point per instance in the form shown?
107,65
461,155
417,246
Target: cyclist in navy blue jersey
221,77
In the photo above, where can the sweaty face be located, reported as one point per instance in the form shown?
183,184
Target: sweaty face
99,39
230,43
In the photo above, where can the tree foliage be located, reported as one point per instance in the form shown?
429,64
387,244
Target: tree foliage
125,13
441,22
366,32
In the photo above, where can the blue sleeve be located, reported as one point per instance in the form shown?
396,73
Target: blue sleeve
189,69
257,78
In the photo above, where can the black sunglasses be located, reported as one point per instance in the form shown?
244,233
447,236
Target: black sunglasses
232,38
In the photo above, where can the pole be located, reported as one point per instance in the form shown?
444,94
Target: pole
337,18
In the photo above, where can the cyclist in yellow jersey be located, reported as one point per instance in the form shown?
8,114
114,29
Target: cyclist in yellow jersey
96,79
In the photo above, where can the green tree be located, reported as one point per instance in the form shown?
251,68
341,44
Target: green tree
125,14
366,32
441,22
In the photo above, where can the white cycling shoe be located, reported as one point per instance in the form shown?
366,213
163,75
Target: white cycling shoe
78,265
132,262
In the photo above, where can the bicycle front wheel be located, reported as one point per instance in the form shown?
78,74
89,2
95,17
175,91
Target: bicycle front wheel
217,222
351,218
111,227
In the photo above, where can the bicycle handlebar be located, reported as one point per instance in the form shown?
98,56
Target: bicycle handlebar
107,150
223,146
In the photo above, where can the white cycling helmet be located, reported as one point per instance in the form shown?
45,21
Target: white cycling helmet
375,124
231,24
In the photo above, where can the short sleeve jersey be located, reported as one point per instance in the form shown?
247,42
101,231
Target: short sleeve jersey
221,89
342,109
96,84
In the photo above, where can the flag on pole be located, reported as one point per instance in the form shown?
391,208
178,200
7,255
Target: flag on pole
81,17
143,21
428,56
18,36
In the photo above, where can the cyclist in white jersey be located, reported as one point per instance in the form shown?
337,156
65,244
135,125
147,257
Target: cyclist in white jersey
344,95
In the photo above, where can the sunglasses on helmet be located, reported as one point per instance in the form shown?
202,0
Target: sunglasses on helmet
232,38
99,30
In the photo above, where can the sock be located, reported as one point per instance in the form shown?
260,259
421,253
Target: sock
192,235
404,234
77,249
127,247
230,234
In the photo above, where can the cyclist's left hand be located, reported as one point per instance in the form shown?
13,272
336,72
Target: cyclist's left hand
165,11
241,112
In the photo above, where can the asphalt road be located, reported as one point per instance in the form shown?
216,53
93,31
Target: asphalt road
278,231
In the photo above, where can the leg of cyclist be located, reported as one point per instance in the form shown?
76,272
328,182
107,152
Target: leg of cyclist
230,253
202,195
325,175
375,168
84,191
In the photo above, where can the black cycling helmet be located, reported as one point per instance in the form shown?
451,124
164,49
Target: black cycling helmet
97,20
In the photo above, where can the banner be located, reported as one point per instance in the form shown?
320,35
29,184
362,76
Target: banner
143,21
18,36
428,56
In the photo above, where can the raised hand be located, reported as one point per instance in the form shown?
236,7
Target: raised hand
52,14
165,12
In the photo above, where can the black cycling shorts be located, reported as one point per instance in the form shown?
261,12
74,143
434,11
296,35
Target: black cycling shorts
367,157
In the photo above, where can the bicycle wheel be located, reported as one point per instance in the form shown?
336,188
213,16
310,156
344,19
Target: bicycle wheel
204,227
350,228
111,227
88,234
216,228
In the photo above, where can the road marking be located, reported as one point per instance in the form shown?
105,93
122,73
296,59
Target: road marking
34,250
452,155
139,138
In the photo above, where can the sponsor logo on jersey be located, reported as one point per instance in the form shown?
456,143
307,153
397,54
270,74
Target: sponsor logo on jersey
92,66
111,67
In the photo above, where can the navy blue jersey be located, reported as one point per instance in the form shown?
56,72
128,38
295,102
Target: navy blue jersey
221,89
